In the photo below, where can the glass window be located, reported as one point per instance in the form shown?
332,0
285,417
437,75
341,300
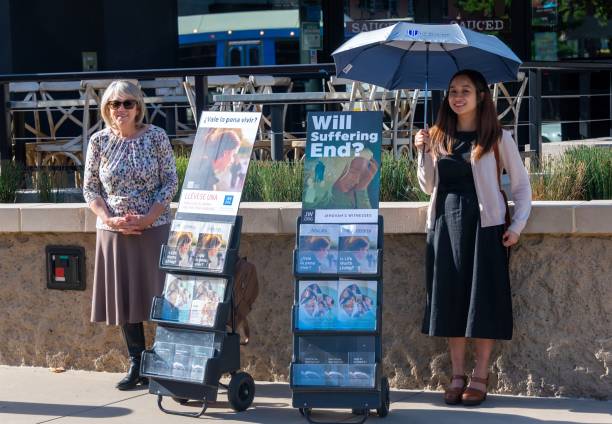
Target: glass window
490,17
571,29
200,55
235,58
287,52
253,55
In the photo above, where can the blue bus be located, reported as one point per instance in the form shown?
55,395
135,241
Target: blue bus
269,37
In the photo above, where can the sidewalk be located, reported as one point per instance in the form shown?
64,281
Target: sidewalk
36,395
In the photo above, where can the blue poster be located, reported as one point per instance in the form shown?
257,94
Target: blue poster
342,167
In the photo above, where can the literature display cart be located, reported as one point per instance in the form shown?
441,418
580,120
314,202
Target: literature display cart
337,325
193,345
337,266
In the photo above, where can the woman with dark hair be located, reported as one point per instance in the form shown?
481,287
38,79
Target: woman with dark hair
467,277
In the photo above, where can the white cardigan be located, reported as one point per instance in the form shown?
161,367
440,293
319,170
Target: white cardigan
490,200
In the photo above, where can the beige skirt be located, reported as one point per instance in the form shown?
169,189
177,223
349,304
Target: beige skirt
127,275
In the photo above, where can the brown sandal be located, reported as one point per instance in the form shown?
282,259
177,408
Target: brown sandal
452,395
472,396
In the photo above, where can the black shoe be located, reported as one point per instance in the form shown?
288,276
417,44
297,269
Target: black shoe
135,341
132,378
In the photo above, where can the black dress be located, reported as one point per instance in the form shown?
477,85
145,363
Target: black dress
468,286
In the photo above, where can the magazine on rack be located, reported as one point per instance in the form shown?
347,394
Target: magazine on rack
211,246
317,305
318,249
357,248
195,244
357,305
339,361
181,243
207,294
180,354
192,300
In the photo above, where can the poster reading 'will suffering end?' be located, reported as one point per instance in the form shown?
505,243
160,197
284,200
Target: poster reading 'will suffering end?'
219,162
342,168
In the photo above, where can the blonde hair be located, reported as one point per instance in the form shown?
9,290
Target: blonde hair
125,89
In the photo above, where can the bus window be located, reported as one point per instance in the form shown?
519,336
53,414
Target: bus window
235,56
253,55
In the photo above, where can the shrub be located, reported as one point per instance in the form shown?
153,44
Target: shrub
182,160
398,180
558,179
272,181
597,162
11,178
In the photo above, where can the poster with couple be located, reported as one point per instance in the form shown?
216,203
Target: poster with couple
342,167
218,166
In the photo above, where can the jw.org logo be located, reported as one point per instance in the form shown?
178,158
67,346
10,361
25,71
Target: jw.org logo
228,200
413,32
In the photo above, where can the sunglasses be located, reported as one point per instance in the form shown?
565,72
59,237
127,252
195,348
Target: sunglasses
127,104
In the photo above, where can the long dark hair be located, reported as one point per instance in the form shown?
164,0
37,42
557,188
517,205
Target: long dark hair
488,128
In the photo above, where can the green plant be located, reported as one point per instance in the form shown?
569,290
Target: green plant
44,186
598,170
272,181
581,173
182,160
398,180
11,178
558,179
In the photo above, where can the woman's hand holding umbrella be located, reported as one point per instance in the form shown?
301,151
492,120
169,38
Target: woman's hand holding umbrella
421,140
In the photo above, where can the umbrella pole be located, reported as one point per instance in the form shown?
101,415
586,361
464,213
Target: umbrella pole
426,94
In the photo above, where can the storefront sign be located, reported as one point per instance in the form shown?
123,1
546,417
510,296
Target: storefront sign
356,27
310,36
482,24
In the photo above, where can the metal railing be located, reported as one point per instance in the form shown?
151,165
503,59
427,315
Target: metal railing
14,131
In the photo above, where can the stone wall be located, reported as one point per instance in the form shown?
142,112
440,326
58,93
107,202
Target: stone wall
562,302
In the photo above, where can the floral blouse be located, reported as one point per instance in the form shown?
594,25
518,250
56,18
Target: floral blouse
131,174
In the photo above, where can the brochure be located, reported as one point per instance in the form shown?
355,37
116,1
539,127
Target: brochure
357,305
357,248
317,305
192,300
181,243
318,249
211,246
196,244
343,361
207,294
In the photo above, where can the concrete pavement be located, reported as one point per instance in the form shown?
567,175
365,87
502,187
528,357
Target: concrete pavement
36,395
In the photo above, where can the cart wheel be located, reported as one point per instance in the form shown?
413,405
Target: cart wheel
305,411
182,401
383,411
241,391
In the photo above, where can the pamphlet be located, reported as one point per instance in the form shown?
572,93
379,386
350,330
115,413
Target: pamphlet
357,305
357,248
318,249
317,305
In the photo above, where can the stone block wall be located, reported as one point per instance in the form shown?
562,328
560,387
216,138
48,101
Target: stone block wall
562,301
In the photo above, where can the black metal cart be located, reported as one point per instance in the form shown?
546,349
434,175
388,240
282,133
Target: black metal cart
220,343
366,388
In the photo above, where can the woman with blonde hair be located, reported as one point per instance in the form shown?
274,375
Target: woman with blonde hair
130,180
467,277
